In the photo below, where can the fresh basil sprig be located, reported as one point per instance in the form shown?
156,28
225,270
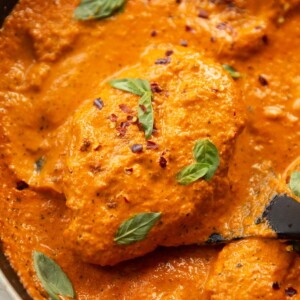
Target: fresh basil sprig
207,161
234,74
295,183
97,9
52,277
136,228
141,88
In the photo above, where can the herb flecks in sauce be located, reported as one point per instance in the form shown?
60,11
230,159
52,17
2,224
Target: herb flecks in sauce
207,161
97,9
136,228
52,277
141,88
233,73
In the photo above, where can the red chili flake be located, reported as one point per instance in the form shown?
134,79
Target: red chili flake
112,204
85,146
178,1
154,33
163,61
122,131
213,39
263,81
169,52
137,148
155,88
126,200
290,291
234,113
140,126
128,171
222,26
21,185
188,28
98,103
125,108
95,169
143,108
162,162
98,147
203,14
183,43
113,117
151,145
275,286
124,124
129,118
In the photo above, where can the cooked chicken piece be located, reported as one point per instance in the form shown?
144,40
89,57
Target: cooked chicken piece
106,183
236,26
246,268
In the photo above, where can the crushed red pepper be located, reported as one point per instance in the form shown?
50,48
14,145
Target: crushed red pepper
183,43
162,162
85,146
151,145
98,103
125,108
155,88
263,81
163,61
21,185
290,291
113,117
169,52
203,14
275,286
137,148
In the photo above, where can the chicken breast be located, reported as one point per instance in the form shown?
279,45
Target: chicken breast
113,173
236,27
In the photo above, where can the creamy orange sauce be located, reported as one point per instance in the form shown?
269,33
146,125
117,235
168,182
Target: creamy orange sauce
51,64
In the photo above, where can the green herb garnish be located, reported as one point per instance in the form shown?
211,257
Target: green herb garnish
136,228
52,277
132,85
98,9
206,152
234,74
295,183
192,173
207,161
141,88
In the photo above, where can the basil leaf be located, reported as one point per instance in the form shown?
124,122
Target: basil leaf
145,113
234,74
52,277
132,85
136,228
295,183
192,173
206,152
97,9
141,88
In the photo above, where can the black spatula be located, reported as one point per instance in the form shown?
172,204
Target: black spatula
283,216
